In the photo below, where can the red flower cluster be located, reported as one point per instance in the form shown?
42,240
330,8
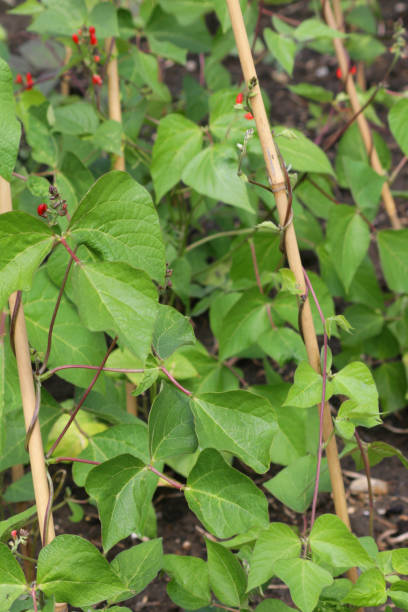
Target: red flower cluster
92,38
29,80
42,209
239,99
352,71
96,79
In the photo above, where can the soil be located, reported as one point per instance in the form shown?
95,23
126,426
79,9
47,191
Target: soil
180,530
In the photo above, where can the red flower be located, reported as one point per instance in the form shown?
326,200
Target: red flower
29,78
75,38
353,70
94,40
91,29
14,534
96,79
249,116
41,209
97,59
19,79
239,99
79,31
338,73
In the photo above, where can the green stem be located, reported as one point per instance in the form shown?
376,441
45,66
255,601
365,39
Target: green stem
194,245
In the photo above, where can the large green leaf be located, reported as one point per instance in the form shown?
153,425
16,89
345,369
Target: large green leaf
311,29
171,331
130,438
301,152
16,522
356,382
137,566
307,387
117,219
393,247
273,605
118,485
333,543
12,580
10,128
189,586
171,425
61,18
74,571
238,422
283,344
349,238
277,542
77,118
213,172
397,119
369,590
365,185
224,500
227,577
400,560
24,242
283,49
72,342
398,593
178,141
39,137
305,580
104,19
116,298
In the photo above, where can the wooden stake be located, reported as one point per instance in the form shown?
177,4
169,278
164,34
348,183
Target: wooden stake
362,123
65,76
25,375
278,184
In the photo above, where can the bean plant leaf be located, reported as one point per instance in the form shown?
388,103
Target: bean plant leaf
335,545
277,542
272,605
365,185
12,579
171,425
305,580
189,586
311,29
282,48
10,128
239,422
399,593
118,485
16,522
397,120
356,382
24,242
104,19
171,331
137,566
61,18
76,118
369,590
283,344
116,298
213,172
117,219
349,237
400,560
226,501
307,387
393,247
227,577
74,571
178,141
301,152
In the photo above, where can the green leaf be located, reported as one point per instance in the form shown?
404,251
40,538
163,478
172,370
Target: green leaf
77,118
116,298
227,578
393,247
307,387
365,185
130,438
178,141
12,579
337,321
72,342
391,381
20,490
104,19
24,242
311,29
369,590
74,571
39,136
224,500
305,580
117,219
400,560
16,522
108,136
273,605
213,172
60,18
277,542
283,49
356,382
239,422
171,425
283,344
294,485
123,488
171,331
189,586
349,238
399,594
137,566
76,438
313,92
397,121
365,322
10,128
335,545
301,152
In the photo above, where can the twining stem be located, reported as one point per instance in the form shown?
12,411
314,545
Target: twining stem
369,485
323,400
54,316
89,367
70,251
33,594
83,398
258,281
74,459
194,245
174,381
171,482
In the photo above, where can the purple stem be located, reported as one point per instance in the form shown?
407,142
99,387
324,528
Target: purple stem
67,459
34,598
174,381
70,251
83,398
172,482
369,486
91,367
201,58
323,401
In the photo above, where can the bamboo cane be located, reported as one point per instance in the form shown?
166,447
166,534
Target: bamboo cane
278,184
65,77
362,123
25,374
